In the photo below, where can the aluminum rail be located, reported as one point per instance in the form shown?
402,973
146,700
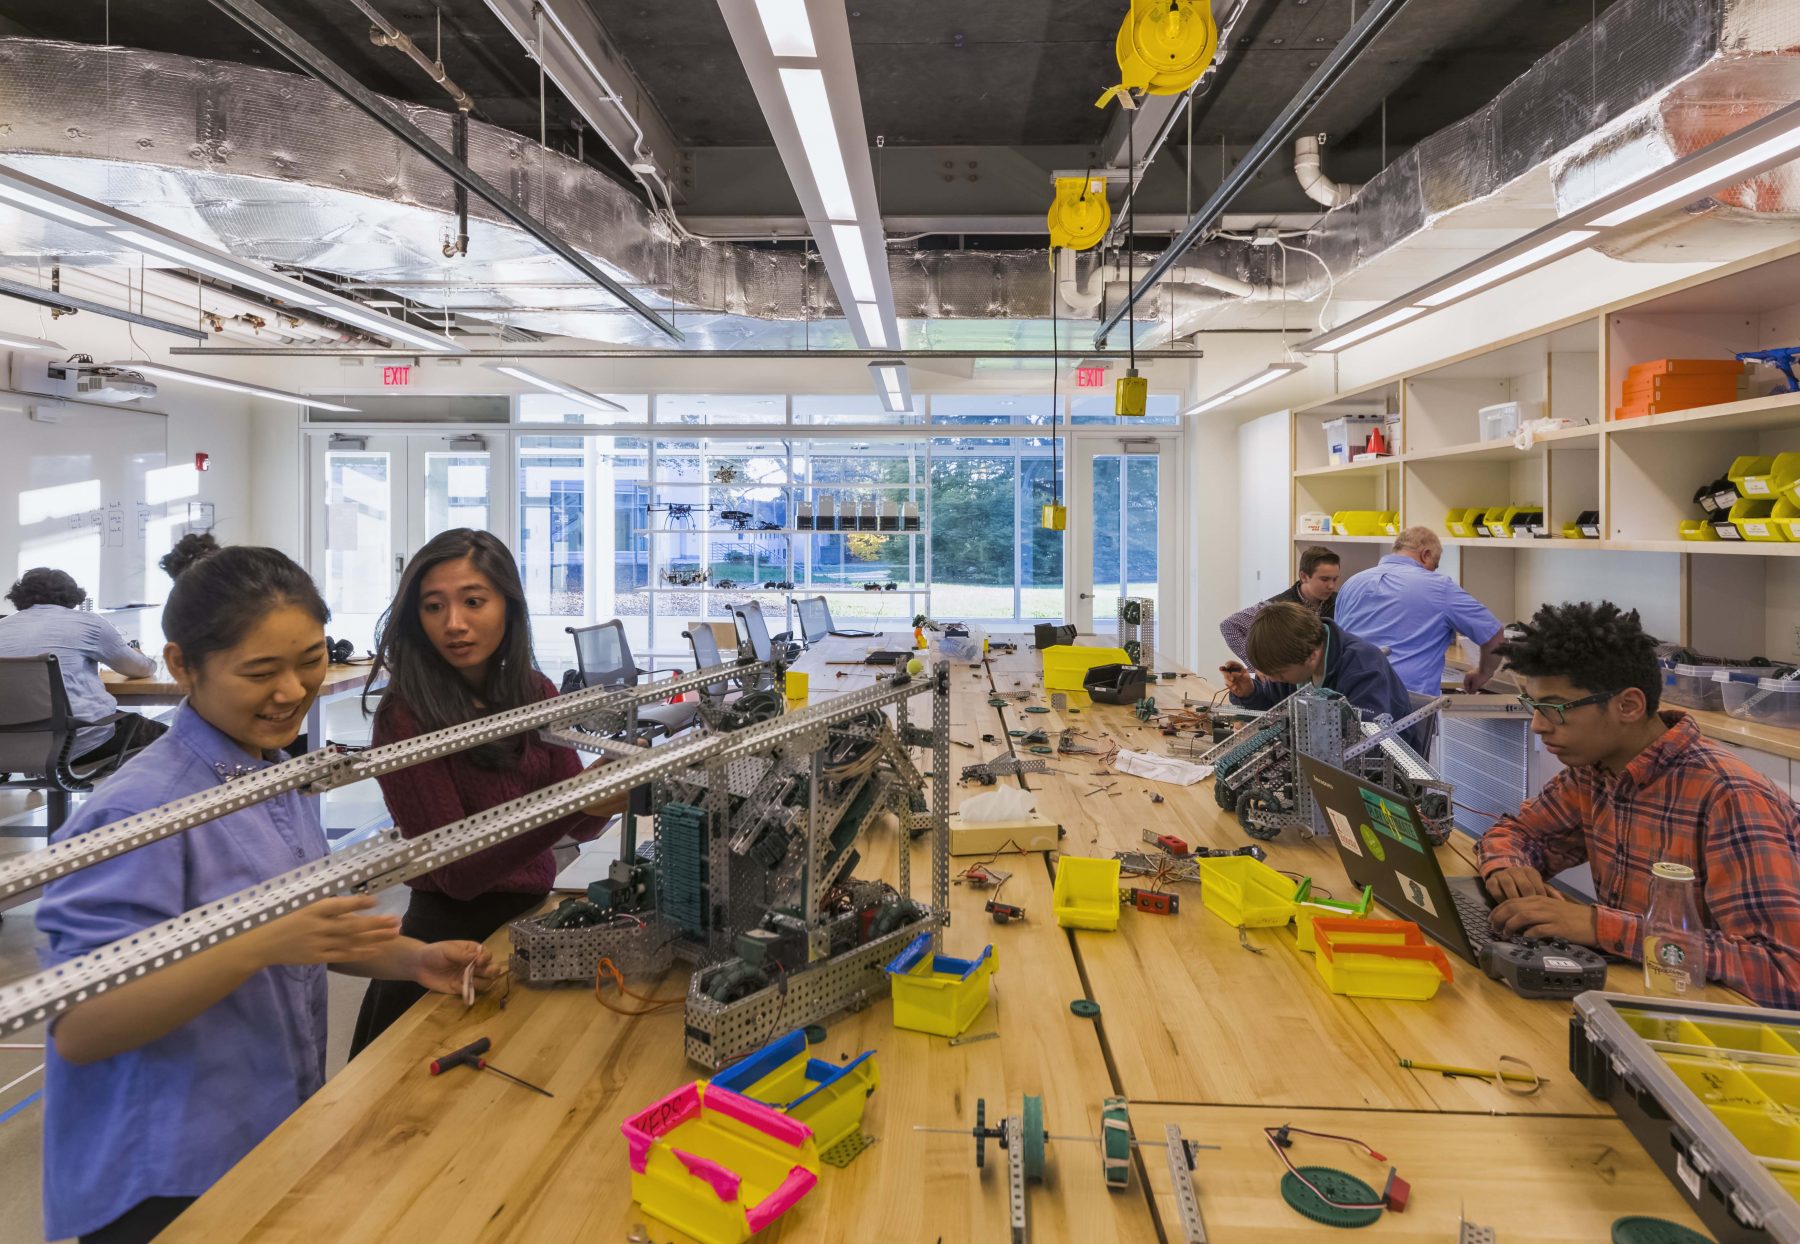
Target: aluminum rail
1274,140
391,859
279,35
326,769
1370,741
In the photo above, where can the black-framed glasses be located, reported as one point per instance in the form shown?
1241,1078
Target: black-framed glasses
1559,713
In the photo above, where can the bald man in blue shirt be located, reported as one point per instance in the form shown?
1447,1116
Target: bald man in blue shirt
1406,606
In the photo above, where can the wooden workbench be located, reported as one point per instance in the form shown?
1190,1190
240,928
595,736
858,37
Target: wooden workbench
1194,1029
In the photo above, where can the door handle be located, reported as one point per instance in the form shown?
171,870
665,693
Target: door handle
399,563
1083,596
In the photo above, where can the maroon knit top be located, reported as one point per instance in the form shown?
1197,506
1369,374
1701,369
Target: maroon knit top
432,794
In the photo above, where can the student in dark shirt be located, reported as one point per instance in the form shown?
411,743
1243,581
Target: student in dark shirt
456,645
1290,644
1316,588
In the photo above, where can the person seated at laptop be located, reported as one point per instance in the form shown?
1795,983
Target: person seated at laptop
1290,644
1641,787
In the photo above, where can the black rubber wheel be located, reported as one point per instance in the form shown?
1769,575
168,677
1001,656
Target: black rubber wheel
1258,799
980,1132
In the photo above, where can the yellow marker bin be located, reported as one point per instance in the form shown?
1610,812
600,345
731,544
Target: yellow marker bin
1086,894
1246,892
938,994
1378,959
1066,665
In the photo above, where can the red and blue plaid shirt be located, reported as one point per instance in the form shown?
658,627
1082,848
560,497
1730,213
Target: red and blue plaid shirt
1686,801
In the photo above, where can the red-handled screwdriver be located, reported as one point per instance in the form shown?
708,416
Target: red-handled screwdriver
470,1055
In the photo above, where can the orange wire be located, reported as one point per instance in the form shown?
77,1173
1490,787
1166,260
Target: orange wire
605,969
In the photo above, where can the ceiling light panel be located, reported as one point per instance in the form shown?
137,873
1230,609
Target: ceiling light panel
593,401
810,106
1505,268
182,376
788,28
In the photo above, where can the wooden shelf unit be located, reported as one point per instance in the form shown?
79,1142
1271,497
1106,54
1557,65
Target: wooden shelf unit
1727,598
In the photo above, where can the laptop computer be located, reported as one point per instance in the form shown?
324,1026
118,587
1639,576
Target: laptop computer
1380,837
816,623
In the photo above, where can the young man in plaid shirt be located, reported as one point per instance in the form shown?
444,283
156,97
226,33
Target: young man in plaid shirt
1641,787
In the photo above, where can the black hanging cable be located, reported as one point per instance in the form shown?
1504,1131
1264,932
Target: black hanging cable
1131,233
1055,378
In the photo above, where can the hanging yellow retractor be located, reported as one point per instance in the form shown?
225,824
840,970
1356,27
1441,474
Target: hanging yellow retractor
1163,48
1079,214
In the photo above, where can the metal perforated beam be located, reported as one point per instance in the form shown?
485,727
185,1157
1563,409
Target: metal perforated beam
391,859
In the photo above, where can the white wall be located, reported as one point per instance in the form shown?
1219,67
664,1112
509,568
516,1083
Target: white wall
1264,464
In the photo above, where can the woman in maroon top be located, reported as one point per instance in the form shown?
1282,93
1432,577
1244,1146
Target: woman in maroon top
456,645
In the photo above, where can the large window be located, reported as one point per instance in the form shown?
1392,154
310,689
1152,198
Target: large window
991,559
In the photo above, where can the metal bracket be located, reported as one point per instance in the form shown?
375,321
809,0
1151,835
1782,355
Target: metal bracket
1181,1177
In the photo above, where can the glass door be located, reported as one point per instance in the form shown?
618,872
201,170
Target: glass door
1121,527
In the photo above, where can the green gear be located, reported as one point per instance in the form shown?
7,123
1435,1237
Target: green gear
1032,1128
1339,1187
997,702
1643,1230
1036,708
1087,1008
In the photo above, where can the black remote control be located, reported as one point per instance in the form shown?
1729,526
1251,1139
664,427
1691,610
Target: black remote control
1547,967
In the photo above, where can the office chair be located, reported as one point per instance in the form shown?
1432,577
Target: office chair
37,733
603,659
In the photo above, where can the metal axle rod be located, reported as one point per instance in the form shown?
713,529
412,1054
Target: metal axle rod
1083,1140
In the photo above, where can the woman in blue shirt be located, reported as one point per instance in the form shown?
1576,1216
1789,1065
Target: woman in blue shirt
154,1090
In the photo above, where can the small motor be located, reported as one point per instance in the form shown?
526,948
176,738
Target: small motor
1543,967
1004,912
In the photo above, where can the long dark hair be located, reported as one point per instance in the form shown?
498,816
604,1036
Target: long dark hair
215,601
423,682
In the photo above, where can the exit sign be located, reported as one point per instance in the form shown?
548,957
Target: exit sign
1090,377
392,377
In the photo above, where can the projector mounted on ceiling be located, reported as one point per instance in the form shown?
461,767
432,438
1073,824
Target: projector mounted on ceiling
89,381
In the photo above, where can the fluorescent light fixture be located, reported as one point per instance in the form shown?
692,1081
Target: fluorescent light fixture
873,327
44,205
786,24
1507,267
811,109
891,384
182,376
581,397
1713,175
388,326
1269,375
855,258
18,341
236,273
1368,330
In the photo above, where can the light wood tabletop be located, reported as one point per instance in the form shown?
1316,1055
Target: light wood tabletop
1193,1028
161,688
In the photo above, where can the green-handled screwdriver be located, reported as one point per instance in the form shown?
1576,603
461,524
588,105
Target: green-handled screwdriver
470,1055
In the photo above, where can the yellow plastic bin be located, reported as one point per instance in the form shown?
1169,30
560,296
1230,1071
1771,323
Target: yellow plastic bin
1786,470
1786,517
1390,523
1755,520
1754,476
1066,665
828,1097
1698,529
938,994
1246,892
1359,522
1308,908
1464,522
1378,959
1496,522
1086,894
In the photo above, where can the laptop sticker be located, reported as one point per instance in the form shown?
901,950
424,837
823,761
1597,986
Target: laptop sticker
1372,840
1391,819
1415,893
1345,834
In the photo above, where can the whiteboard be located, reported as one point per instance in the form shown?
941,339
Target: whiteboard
91,494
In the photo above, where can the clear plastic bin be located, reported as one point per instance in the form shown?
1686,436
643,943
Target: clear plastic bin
1693,686
1770,701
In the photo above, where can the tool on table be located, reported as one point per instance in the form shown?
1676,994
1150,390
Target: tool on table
973,1037
1543,967
470,1055
1527,1076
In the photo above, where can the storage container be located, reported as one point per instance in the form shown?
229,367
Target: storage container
1246,892
939,994
1786,517
1494,523
1588,521
1693,686
1754,476
1712,1093
1771,701
1378,959
826,1096
1464,522
1086,893
1346,436
1698,529
1313,523
1066,665
1360,522
717,1165
1754,520
1308,908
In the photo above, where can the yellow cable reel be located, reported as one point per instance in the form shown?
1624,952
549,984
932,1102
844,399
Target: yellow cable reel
1079,214
1163,47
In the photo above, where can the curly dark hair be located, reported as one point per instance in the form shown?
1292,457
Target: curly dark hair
188,550
42,585
1598,647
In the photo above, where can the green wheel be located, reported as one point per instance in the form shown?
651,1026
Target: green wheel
1115,1141
1337,1185
1640,1230
1034,1134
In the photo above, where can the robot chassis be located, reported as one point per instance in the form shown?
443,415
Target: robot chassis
750,876
1256,772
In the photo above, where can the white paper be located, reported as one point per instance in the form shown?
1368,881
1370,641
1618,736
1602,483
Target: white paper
1161,768
340,526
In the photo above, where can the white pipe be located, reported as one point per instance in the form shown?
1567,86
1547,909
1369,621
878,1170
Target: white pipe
1308,168
1084,299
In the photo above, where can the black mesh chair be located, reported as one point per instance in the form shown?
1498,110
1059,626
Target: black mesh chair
37,735
705,642
603,659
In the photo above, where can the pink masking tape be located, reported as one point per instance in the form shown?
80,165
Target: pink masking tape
665,1116
724,1182
755,1114
798,1183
